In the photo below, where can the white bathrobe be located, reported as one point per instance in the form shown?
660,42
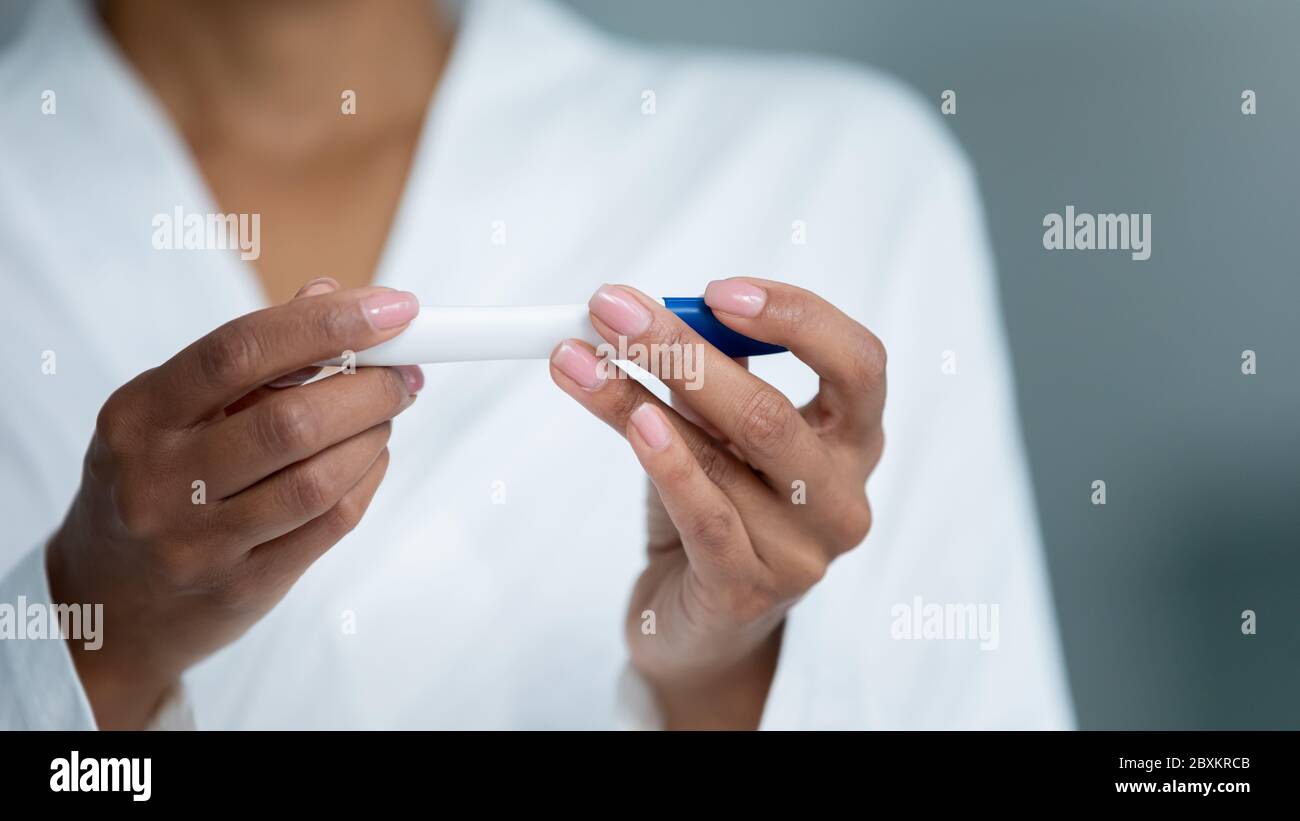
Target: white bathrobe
487,585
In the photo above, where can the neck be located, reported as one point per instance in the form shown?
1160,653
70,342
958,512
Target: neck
258,72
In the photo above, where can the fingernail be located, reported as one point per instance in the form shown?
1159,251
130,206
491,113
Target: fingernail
735,296
652,426
412,376
390,309
621,311
318,286
296,378
579,364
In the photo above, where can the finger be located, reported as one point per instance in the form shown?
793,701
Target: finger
778,557
710,527
316,287
281,561
285,501
778,525
755,417
254,349
690,415
612,396
849,358
292,425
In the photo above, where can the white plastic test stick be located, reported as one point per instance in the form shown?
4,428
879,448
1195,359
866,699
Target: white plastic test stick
477,334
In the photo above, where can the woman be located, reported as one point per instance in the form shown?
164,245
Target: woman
470,563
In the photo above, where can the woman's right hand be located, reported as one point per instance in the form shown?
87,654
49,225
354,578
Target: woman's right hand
285,474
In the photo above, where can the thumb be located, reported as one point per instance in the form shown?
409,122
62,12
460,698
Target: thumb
318,286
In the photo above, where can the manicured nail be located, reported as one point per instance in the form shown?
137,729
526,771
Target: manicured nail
390,309
412,376
579,364
318,286
651,424
618,309
735,296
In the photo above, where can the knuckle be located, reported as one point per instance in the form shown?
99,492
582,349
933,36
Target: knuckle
766,422
679,473
717,466
869,359
231,352
336,325
306,490
875,449
346,515
138,513
112,425
713,528
854,526
290,423
795,315
669,332
807,573
623,400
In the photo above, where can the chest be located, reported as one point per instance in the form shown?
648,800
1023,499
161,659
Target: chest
328,214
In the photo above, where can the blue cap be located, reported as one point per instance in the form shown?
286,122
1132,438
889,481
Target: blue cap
699,316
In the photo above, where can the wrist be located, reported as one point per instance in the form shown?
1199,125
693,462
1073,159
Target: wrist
730,696
124,689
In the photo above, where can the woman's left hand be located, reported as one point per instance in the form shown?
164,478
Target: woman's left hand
759,496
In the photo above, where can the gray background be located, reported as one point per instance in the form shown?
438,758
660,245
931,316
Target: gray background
1128,371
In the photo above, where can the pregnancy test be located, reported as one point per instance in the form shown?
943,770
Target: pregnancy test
478,334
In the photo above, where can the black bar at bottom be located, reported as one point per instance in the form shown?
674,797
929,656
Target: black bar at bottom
206,771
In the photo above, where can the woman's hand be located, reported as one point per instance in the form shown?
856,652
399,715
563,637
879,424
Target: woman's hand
184,568
761,496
